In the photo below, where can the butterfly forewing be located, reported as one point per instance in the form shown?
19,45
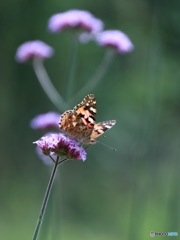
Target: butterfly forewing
86,110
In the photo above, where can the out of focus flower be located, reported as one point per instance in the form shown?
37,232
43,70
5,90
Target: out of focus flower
33,49
115,39
45,121
60,145
76,19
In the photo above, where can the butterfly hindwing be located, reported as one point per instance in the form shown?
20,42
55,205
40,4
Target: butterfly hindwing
100,128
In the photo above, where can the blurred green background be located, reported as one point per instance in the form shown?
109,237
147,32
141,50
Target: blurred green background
113,195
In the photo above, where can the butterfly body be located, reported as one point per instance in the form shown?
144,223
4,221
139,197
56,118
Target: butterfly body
80,124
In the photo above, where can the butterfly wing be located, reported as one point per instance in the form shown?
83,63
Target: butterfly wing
66,120
86,110
100,128
79,122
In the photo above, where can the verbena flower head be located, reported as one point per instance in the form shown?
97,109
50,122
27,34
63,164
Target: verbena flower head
45,121
115,39
77,19
60,145
33,49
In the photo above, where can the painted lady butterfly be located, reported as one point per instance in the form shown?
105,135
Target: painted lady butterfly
80,124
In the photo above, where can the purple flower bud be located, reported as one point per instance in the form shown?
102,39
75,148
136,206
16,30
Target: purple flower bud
62,146
33,49
115,39
77,19
45,120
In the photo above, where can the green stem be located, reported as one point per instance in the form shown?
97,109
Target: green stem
98,76
72,67
47,85
45,200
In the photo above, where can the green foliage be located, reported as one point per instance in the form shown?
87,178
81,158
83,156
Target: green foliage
113,195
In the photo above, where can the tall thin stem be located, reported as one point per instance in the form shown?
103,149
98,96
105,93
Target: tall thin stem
98,76
72,67
47,85
45,200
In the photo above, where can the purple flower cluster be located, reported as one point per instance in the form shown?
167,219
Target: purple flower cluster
76,19
45,121
91,29
33,49
115,39
60,145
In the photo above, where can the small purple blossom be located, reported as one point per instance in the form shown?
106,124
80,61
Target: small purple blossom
45,120
77,19
60,145
115,39
33,49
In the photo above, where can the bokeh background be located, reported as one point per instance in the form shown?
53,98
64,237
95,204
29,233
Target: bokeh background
113,195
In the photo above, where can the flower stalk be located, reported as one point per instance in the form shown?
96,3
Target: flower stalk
47,85
64,148
98,75
72,68
46,197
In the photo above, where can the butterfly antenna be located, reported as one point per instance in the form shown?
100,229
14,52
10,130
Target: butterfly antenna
104,144
86,146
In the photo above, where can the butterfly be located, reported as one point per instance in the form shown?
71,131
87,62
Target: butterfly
80,123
